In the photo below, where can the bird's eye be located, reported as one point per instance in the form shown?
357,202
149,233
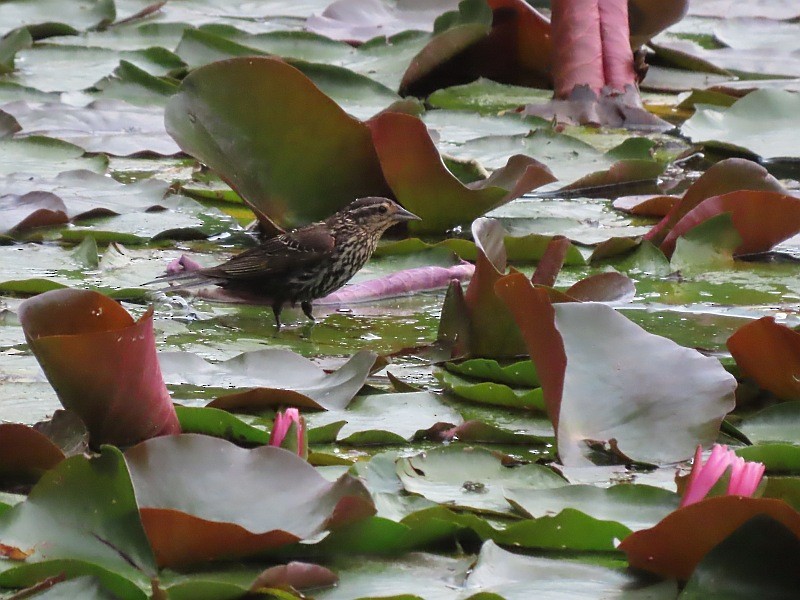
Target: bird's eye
382,210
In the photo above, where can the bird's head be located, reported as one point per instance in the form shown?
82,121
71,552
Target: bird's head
377,214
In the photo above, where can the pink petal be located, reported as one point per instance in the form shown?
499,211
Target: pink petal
704,476
747,480
184,264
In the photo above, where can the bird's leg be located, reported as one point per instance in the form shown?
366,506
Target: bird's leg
306,306
276,310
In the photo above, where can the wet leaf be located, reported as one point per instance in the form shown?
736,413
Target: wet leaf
25,454
102,364
387,418
632,505
42,155
470,478
111,126
769,353
584,352
499,573
675,546
31,210
54,18
222,501
282,377
487,392
757,555
421,183
82,519
209,118
777,423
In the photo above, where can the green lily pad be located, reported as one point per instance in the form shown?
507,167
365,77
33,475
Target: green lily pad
37,155
470,478
760,123
75,68
775,456
486,96
502,574
50,17
221,424
82,519
777,423
487,392
757,556
387,418
110,126
522,373
632,505
86,587
211,112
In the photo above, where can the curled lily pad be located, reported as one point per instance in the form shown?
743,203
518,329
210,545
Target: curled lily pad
421,182
585,352
762,219
26,453
721,178
769,353
675,546
31,210
102,364
202,498
211,118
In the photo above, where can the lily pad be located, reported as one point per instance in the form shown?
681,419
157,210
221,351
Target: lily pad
675,546
205,498
102,364
587,351
82,519
280,377
39,155
210,118
54,17
387,418
110,126
421,183
632,505
760,123
470,478
777,423
757,555
488,392
769,353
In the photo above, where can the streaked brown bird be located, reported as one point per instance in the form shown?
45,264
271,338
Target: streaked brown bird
306,263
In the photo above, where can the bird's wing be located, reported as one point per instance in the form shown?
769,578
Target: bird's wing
277,255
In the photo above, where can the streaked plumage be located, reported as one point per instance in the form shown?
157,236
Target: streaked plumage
306,263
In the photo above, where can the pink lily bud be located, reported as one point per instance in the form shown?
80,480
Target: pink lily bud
283,436
744,479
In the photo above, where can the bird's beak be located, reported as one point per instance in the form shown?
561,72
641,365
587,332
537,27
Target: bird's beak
401,214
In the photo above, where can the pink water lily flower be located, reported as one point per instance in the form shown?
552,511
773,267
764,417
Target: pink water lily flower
280,428
744,479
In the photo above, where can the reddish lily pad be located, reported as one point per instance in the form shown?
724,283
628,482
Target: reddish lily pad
202,498
769,353
607,380
422,184
675,546
297,158
646,206
762,219
725,176
102,364
25,453
31,210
